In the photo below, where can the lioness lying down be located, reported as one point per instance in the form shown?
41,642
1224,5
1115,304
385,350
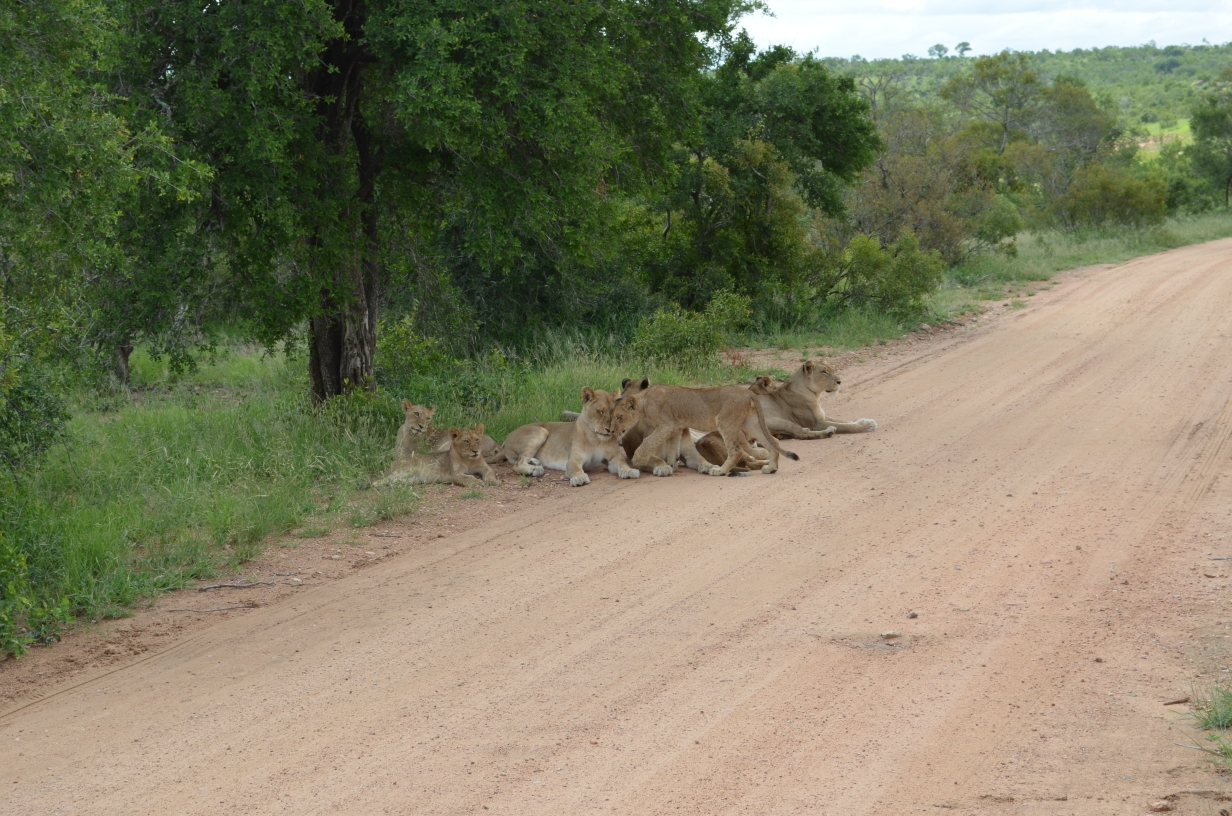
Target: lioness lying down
418,436
577,446
453,466
670,411
793,408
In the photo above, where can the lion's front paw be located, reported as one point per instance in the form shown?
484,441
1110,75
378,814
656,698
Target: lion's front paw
663,470
714,470
769,469
537,471
630,473
829,432
493,482
867,425
533,461
579,480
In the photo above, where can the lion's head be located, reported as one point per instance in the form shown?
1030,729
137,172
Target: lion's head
467,443
819,376
606,415
627,412
418,417
765,385
629,386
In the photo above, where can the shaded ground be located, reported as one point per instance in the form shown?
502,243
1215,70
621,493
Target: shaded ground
1046,490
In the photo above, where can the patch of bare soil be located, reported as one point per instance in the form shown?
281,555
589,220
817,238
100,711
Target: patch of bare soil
988,606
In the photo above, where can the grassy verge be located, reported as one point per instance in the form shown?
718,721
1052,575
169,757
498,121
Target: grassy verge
187,476
993,277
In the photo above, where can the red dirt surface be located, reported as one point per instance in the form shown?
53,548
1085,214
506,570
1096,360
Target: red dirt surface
1046,490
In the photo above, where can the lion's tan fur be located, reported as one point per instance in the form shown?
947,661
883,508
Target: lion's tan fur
670,411
793,408
574,447
459,464
417,436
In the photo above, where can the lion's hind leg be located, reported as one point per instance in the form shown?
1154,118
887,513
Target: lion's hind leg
521,447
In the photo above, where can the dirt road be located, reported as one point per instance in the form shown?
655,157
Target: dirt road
1047,492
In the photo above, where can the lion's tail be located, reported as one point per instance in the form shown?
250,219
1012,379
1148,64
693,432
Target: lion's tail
765,430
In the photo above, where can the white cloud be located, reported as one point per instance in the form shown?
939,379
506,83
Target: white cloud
895,27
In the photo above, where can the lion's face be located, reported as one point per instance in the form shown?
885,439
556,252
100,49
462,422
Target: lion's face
627,412
418,417
820,377
600,413
467,442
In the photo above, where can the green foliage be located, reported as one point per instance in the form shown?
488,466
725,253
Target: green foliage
893,279
679,334
1103,194
780,135
1211,154
25,618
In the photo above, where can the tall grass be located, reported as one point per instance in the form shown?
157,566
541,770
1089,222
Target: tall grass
188,476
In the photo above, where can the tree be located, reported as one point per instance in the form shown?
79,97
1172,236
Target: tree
963,48
488,130
65,163
780,135
938,51
1211,152
1003,90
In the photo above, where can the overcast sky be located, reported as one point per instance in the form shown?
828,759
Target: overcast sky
891,28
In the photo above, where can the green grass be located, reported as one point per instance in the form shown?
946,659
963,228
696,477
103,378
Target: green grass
995,277
1212,711
188,477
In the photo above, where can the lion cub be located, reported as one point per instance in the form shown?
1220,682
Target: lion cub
417,436
455,465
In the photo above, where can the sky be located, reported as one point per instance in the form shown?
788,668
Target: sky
891,28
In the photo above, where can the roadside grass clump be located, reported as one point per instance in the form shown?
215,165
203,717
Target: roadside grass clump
1212,711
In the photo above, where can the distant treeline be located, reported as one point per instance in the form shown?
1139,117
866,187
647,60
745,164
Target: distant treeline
1144,83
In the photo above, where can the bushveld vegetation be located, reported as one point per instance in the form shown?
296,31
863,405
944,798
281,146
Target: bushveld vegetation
233,236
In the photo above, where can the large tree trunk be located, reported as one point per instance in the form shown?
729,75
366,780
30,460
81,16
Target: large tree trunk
343,340
123,351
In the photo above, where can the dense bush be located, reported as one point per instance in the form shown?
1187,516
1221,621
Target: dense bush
1103,194
679,334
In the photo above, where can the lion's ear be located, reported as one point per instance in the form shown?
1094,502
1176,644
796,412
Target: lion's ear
625,383
454,433
808,367
645,383
479,429
406,405
588,394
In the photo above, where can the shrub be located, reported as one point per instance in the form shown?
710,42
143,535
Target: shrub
1104,194
32,415
679,334
893,279
24,619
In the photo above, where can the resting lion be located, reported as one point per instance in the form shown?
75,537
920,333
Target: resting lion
671,411
793,408
417,436
697,451
575,446
452,466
